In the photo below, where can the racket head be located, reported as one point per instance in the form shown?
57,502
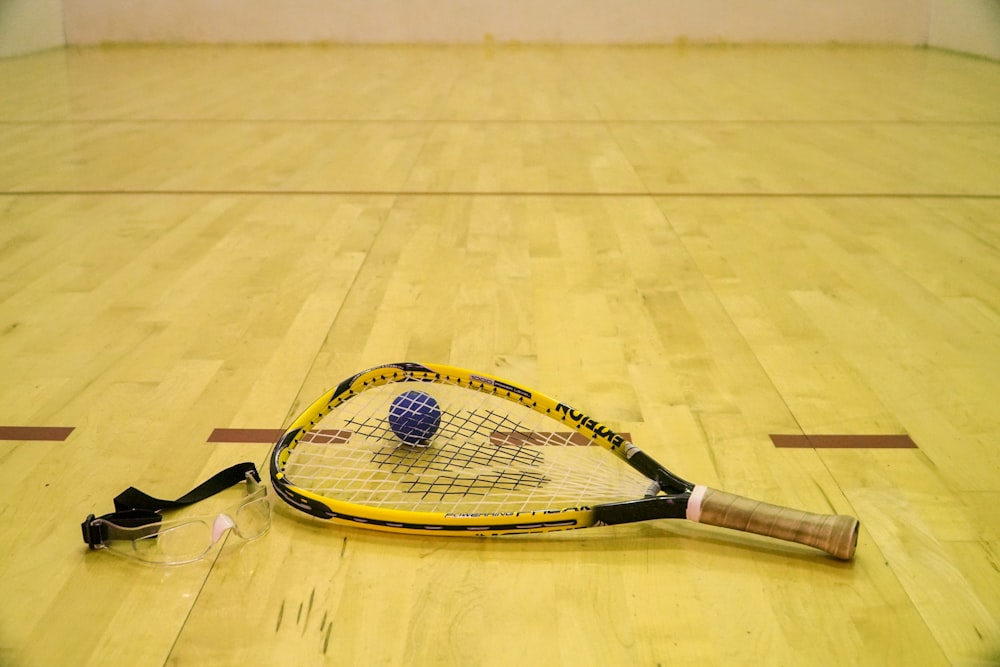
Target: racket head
502,458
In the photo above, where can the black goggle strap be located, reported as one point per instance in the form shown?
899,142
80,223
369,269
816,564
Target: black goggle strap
134,508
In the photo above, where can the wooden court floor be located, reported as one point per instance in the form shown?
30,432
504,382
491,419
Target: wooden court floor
705,247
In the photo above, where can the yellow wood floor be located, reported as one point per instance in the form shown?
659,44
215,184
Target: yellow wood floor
702,246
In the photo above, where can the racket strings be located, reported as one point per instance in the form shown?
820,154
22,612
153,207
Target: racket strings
476,485
452,455
487,455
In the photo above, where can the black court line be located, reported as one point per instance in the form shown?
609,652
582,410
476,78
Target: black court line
498,121
503,193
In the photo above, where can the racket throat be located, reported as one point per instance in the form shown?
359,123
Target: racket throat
663,479
645,509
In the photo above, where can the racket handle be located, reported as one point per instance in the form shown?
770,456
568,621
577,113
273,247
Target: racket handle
835,534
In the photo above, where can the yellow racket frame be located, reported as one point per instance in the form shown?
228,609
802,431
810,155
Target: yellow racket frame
401,521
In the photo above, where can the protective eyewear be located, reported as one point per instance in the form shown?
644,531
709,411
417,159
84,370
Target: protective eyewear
143,534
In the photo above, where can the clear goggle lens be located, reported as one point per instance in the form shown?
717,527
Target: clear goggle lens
186,540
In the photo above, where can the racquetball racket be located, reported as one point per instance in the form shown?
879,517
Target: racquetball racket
436,450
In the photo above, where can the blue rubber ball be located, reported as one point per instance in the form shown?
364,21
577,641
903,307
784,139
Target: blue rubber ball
414,417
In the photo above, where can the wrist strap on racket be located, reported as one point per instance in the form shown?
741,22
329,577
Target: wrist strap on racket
135,508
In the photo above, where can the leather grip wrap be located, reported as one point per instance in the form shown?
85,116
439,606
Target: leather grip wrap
835,534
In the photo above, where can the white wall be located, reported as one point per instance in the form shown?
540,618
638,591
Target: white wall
972,26
30,25
651,21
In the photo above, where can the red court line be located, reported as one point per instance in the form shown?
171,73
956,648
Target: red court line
550,438
49,433
245,435
844,441
271,435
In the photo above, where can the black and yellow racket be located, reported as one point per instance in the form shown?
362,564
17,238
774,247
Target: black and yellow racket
437,450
